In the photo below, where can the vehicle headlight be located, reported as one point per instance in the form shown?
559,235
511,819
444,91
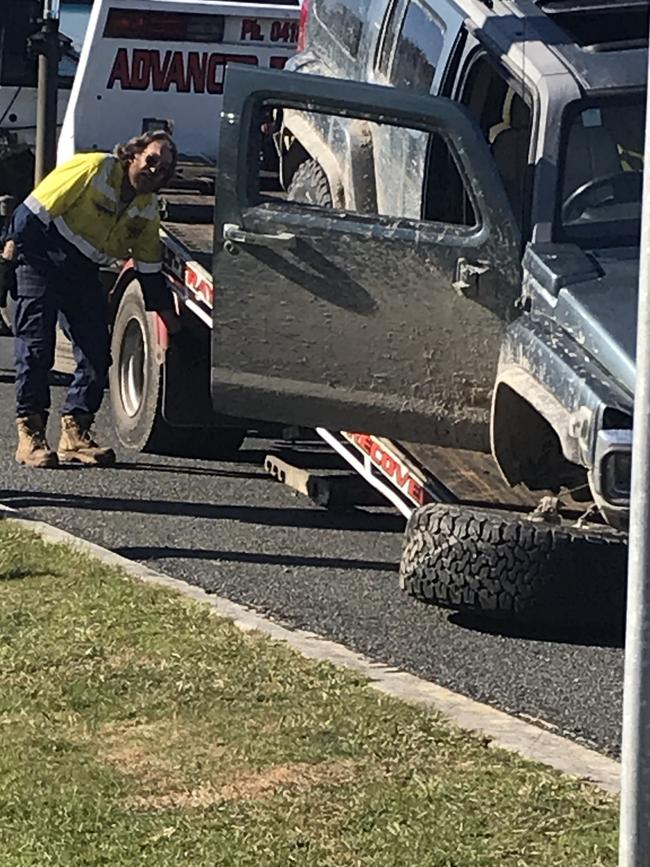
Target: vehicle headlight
617,473
613,466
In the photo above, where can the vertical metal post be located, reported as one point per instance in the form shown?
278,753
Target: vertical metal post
47,46
634,844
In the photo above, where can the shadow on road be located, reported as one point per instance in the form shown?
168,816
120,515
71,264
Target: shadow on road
355,519
152,553
600,628
176,469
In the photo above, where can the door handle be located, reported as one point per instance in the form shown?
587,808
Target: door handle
234,235
468,275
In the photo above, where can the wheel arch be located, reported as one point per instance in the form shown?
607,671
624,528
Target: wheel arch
306,141
530,436
349,173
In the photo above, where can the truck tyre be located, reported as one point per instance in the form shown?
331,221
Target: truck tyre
309,185
136,392
496,562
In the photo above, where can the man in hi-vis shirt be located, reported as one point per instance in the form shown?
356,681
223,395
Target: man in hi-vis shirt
90,211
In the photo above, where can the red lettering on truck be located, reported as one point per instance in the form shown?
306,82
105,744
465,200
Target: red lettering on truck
392,468
279,31
201,287
284,31
251,30
193,71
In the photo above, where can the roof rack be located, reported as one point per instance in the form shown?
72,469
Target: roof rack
584,6
601,25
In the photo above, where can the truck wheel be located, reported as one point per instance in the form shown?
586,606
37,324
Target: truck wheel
136,392
502,563
309,185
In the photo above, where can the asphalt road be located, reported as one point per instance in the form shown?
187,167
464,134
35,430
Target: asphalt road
231,529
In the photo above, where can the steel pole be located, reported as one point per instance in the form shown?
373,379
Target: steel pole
634,842
47,98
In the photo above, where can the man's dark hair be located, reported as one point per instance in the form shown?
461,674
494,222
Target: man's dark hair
125,152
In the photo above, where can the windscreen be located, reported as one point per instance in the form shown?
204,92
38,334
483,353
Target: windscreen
601,171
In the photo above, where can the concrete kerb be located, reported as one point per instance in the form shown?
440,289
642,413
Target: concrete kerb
499,728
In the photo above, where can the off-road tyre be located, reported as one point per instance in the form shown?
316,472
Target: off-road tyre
309,185
500,563
136,379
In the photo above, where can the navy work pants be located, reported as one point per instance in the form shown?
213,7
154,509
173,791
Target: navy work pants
75,296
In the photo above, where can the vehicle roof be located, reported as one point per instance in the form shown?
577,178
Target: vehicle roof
530,33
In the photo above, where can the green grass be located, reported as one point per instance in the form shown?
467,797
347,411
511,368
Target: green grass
138,729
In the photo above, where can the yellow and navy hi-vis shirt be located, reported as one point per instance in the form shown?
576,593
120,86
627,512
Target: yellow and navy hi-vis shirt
81,198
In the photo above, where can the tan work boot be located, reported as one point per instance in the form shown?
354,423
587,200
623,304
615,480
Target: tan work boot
78,445
33,450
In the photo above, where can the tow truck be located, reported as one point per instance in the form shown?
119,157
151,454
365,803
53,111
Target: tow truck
160,64
380,332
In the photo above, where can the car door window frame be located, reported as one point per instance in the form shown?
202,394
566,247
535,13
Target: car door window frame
434,20
253,196
365,101
475,51
352,49
450,73
387,42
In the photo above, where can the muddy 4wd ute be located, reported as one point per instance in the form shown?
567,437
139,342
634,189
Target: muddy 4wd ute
453,264
557,90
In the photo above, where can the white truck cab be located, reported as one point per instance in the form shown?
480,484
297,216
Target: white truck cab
161,64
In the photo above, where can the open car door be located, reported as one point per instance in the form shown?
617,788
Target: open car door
333,316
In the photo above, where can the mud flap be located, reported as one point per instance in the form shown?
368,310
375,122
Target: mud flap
186,380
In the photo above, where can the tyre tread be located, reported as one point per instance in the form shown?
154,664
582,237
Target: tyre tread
309,184
485,560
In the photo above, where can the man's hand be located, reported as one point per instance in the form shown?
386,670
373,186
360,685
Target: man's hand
172,321
7,271
9,251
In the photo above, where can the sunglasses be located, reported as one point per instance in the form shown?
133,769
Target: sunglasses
154,162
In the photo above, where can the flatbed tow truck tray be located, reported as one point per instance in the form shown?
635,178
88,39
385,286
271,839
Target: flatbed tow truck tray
471,476
195,238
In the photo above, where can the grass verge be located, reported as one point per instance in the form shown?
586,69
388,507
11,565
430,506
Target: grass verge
138,728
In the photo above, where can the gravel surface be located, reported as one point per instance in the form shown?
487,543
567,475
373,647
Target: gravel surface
234,531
